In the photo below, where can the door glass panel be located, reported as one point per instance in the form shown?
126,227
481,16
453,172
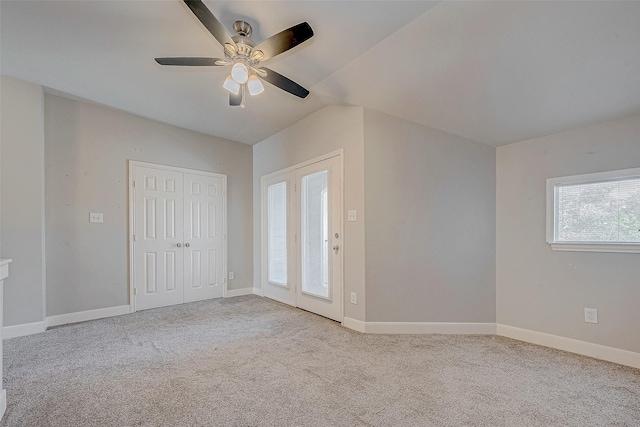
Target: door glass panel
315,234
277,233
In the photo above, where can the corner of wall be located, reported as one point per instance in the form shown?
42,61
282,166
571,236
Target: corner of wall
22,205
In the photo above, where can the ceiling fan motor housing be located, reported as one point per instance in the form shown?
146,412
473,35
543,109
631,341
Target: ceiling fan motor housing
243,40
244,45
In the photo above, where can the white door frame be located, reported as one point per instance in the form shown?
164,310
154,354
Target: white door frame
263,220
131,187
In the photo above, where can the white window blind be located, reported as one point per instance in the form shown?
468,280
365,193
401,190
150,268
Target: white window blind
598,212
277,234
315,234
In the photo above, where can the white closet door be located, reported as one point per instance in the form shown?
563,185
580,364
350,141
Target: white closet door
204,263
158,256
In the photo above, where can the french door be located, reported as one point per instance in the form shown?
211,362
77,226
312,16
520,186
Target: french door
178,243
302,230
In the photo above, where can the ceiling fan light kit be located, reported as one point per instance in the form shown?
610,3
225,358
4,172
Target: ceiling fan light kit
231,85
244,55
255,86
240,72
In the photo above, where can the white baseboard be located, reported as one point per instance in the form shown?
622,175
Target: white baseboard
597,351
24,329
83,316
420,327
610,354
258,291
63,319
239,292
355,324
430,328
3,403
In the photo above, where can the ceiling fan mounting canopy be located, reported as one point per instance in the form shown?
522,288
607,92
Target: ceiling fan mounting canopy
242,28
245,55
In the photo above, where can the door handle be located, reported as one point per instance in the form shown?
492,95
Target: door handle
336,248
187,244
179,245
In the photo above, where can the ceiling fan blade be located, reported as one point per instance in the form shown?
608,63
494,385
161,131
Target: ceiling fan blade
193,62
235,100
284,83
212,24
284,40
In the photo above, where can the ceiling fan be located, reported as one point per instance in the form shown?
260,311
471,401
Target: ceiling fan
245,56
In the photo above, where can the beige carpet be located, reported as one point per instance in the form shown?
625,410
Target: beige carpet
249,361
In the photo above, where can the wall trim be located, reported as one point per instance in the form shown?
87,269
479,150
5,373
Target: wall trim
3,402
83,316
239,292
450,328
23,329
597,351
258,291
355,324
63,319
430,328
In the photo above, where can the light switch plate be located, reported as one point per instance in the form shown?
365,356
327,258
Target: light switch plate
232,275
352,215
95,217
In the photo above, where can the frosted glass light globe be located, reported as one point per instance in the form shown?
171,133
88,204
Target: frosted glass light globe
240,72
255,86
231,85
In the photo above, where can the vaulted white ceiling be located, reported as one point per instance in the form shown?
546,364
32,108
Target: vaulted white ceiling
494,72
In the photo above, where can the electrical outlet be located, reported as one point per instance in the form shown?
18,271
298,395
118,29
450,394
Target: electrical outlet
591,315
232,275
352,215
95,217
353,298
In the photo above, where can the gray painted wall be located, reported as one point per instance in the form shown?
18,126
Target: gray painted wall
87,148
22,182
430,230
544,290
324,131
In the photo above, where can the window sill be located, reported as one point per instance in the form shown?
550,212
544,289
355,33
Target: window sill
626,248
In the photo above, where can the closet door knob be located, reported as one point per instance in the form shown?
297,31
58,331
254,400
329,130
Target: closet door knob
179,245
187,244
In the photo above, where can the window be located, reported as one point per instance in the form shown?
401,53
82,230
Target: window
277,233
597,212
315,234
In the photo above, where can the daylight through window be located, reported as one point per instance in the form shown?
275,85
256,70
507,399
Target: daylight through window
599,212
277,234
596,211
